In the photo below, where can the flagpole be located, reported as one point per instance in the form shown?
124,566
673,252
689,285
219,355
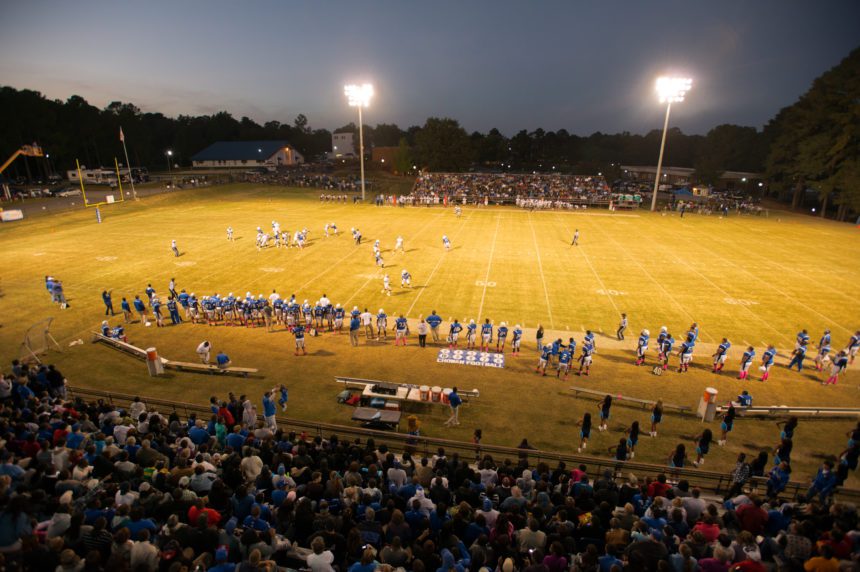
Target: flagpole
127,164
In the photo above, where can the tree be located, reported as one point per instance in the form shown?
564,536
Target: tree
442,145
403,157
301,123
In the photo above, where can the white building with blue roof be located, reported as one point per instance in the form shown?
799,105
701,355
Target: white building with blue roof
247,154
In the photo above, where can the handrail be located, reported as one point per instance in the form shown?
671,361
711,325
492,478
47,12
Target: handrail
709,481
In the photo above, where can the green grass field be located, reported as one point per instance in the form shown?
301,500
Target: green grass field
754,280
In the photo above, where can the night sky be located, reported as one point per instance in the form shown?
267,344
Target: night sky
582,66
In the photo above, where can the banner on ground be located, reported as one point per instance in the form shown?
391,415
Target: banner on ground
469,357
12,214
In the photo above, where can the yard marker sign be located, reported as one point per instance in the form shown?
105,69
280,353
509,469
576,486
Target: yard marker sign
469,357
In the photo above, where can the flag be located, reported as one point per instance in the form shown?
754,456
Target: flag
121,135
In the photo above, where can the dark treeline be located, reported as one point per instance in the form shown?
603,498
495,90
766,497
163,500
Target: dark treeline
74,129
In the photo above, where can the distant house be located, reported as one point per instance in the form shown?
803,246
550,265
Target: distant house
239,154
343,145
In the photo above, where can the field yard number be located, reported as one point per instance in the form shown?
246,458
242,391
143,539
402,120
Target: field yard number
739,302
603,292
487,284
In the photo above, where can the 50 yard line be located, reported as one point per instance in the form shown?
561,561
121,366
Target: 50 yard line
489,265
540,268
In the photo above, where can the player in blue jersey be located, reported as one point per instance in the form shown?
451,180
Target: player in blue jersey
501,337
433,320
401,329
446,243
543,359
157,312
853,346
665,349
173,310
822,357
454,333
486,335
721,355
381,325
150,292
471,330
183,301
693,334
642,346
799,355
319,314
685,354
564,359
585,358
299,333
516,340
802,338
767,362
338,318
825,339
746,362
589,337
840,364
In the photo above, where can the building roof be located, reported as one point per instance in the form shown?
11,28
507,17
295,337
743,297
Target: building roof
687,172
240,150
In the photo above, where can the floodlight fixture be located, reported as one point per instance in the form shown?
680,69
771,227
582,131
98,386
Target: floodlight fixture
673,89
358,95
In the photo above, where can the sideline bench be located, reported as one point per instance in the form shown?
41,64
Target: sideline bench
209,368
645,403
784,410
359,383
122,346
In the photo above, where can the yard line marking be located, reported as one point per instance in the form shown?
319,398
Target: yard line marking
542,278
746,343
764,344
489,265
772,287
581,249
435,268
654,280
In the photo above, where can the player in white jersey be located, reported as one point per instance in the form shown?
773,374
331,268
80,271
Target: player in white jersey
325,230
405,279
230,233
398,245
445,242
458,211
264,240
386,285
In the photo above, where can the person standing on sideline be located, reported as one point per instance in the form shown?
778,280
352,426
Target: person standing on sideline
126,310
433,320
575,241
621,327
299,333
401,328
171,286
173,309
605,407
423,328
223,360
269,411
367,322
203,350
108,302
454,403
354,326
174,248
140,307
539,338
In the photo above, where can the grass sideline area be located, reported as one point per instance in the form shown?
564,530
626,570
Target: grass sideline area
754,280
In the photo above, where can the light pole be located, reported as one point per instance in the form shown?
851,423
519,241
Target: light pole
169,168
359,96
669,90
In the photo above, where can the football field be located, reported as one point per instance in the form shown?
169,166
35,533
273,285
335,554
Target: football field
755,280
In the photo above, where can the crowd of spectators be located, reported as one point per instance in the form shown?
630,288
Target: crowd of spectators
306,177
88,486
507,188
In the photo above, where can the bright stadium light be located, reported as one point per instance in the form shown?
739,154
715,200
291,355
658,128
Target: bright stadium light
669,90
359,96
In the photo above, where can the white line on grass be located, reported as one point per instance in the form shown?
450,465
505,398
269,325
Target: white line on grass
435,268
489,265
581,250
651,277
540,268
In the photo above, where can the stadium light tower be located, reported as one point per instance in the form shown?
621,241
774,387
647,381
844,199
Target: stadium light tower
670,90
359,96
